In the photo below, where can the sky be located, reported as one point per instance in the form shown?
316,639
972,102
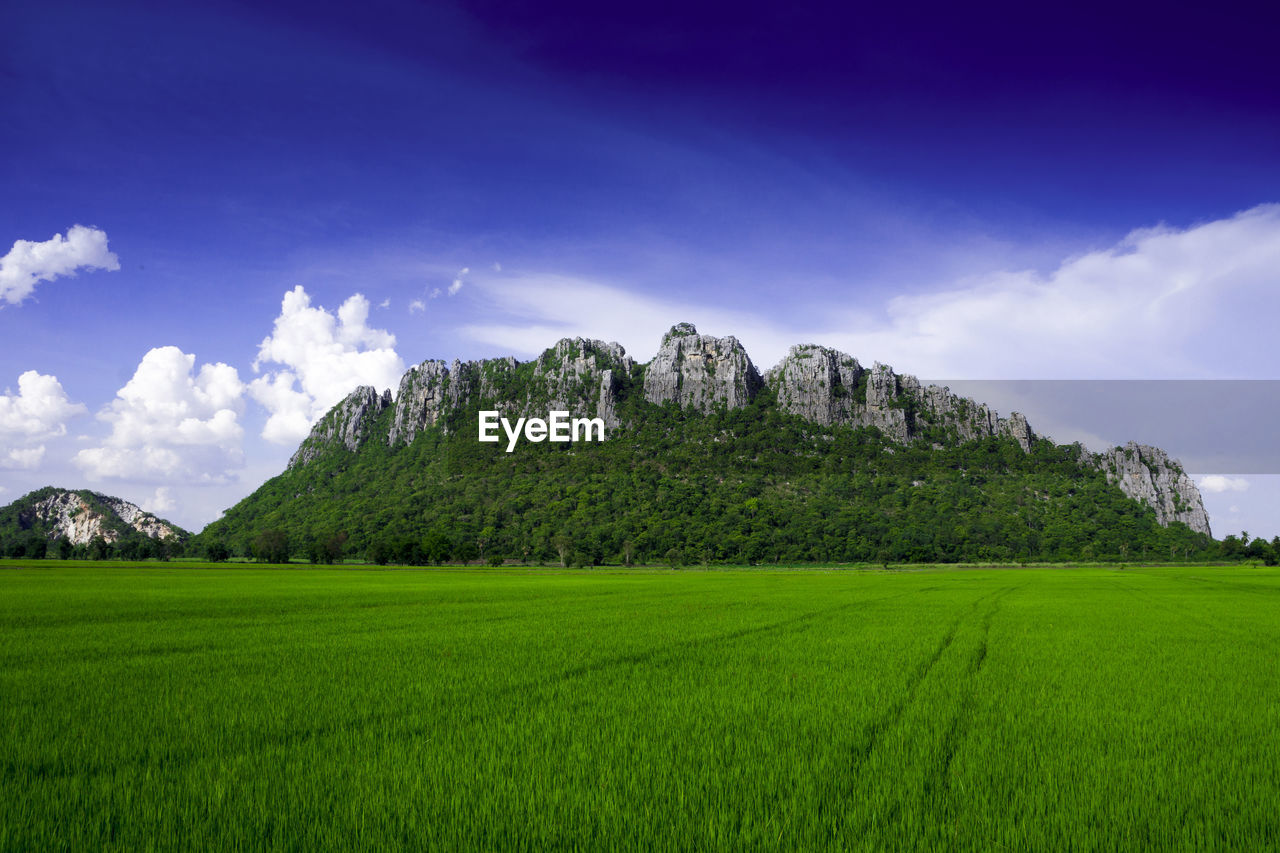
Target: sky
218,218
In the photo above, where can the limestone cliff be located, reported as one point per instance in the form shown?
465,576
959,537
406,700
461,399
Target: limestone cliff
830,387
1147,474
346,425
577,375
82,516
700,371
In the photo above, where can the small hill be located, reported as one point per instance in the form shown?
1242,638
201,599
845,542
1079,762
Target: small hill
707,459
80,518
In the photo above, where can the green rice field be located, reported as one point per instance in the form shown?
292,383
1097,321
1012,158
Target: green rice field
160,707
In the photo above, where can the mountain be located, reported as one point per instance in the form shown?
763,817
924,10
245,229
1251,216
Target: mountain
706,458
79,518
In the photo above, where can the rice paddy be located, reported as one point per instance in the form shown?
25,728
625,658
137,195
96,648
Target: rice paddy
163,707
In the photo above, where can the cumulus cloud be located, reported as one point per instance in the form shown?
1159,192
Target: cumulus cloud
417,305
22,458
1219,483
171,422
386,303
1163,302
435,292
160,502
39,409
322,357
28,262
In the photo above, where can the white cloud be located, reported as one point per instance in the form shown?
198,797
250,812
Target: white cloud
160,502
386,303
1219,483
323,357
28,262
171,422
435,292
22,458
457,281
416,306
497,267
1196,302
39,409
545,308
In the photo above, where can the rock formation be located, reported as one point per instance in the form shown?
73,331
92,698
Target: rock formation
830,387
1147,474
82,517
346,424
577,375
701,372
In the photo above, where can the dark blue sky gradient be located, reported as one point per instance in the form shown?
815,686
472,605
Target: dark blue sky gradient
747,151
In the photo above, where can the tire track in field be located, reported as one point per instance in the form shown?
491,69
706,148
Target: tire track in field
670,650
875,731
939,782
181,757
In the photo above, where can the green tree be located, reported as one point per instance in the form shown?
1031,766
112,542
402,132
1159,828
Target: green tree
271,546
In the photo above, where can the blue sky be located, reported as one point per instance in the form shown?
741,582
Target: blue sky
998,192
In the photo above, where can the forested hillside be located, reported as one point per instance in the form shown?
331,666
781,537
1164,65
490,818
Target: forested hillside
679,486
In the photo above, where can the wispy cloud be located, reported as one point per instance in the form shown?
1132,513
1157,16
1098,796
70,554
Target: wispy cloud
458,281
1161,303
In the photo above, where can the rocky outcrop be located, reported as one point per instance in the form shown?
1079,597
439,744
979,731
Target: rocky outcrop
819,384
420,402
82,517
830,387
347,424
1147,474
1017,428
576,375
700,371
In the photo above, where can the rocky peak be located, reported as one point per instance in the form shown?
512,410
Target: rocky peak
345,425
82,517
583,376
1147,474
818,384
830,387
578,375
680,330
588,377
420,401
700,371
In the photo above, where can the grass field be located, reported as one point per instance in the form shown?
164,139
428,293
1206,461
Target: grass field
160,707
